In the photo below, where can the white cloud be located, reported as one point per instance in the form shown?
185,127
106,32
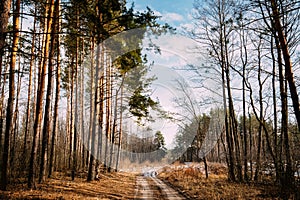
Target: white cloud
172,17
187,27
169,17
157,13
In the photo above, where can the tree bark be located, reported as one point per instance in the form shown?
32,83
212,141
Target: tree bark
74,164
288,64
258,155
91,171
120,125
39,101
28,107
57,95
4,6
92,96
286,176
47,116
4,15
82,121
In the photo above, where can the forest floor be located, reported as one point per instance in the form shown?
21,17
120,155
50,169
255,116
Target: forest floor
110,186
188,181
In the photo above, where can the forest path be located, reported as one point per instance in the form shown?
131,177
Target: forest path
143,189
154,188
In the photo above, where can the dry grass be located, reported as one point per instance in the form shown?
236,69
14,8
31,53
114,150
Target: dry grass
191,182
110,186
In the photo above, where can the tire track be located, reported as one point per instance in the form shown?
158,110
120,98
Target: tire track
167,191
144,191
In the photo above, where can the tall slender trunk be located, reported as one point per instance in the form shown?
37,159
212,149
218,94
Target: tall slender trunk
108,114
100,109
231,175
11,94
120,125
114,128
286,175
100,121
71,114
92,96
243,52
275,130
113,135
113,119
57,94
15,132
258,157
74,164
15,120
91,171
250,144
232,117
47,115
28,107
288,179
2,109
82,121
4,15
39,102
288,64
69,118
245,134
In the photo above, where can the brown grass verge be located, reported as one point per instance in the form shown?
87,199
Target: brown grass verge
191,182
110,186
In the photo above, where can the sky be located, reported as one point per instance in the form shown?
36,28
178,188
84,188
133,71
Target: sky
177,52
175,13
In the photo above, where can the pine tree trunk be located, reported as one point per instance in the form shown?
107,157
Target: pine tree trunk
91,171
57,95
108,116
47,116
4,15
114,129
39,101
28,107
92,96
71,116
10,101
74,164
2,110
15,120
82,121
120,126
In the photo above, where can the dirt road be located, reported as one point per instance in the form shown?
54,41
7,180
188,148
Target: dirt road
153,188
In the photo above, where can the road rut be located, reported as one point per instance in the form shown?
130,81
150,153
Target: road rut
146,188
